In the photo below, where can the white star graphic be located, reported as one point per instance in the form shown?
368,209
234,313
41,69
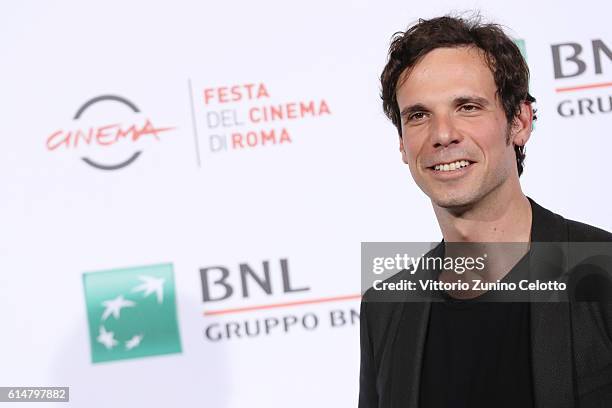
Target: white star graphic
133,342
106,338
150,285
113,306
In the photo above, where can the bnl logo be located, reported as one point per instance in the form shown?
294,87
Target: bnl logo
131,312
569,59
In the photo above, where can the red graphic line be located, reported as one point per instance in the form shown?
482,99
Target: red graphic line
578,88
285,304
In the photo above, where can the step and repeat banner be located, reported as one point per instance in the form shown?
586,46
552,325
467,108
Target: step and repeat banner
185,186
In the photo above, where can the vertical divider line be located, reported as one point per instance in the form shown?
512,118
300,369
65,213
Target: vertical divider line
193,122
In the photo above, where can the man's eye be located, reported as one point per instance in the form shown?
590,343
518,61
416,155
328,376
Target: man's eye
416,116
469,108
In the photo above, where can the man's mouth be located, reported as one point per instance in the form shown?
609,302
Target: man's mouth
451,166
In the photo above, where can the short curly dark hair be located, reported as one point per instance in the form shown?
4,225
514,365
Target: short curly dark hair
509,68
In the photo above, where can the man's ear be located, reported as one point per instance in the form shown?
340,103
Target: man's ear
522,125
402,150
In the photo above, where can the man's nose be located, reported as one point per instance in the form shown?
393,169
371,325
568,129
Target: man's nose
443,131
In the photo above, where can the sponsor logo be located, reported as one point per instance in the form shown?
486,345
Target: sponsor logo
131,312
93,133
520,43
522,46
248,116
587,66
259,300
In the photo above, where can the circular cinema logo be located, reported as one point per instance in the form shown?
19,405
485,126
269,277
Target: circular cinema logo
109,132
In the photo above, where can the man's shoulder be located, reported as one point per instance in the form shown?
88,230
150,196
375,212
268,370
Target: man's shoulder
549,226
383,304
581,232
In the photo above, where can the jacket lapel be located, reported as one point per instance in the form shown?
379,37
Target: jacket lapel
407,354
409,345
551,345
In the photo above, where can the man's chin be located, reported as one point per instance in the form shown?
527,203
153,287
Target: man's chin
455,203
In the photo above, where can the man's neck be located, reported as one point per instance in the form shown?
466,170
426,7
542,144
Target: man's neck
488,221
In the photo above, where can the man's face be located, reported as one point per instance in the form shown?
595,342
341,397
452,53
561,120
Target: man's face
454,130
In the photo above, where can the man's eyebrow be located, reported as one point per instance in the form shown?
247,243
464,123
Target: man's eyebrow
458,101
417,107
461,100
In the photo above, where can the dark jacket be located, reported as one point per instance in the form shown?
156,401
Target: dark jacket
571,342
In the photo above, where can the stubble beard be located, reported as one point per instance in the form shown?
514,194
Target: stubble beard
464,199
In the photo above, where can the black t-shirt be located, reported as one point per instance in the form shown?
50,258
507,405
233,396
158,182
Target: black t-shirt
477,354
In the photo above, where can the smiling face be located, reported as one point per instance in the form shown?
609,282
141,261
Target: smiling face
454,129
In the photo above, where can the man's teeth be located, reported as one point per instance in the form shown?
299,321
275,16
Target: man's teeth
452,166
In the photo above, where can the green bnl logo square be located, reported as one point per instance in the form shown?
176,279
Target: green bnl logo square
131,312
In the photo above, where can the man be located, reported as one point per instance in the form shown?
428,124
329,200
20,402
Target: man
457,91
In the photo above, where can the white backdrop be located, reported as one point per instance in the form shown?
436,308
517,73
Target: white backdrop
326,181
